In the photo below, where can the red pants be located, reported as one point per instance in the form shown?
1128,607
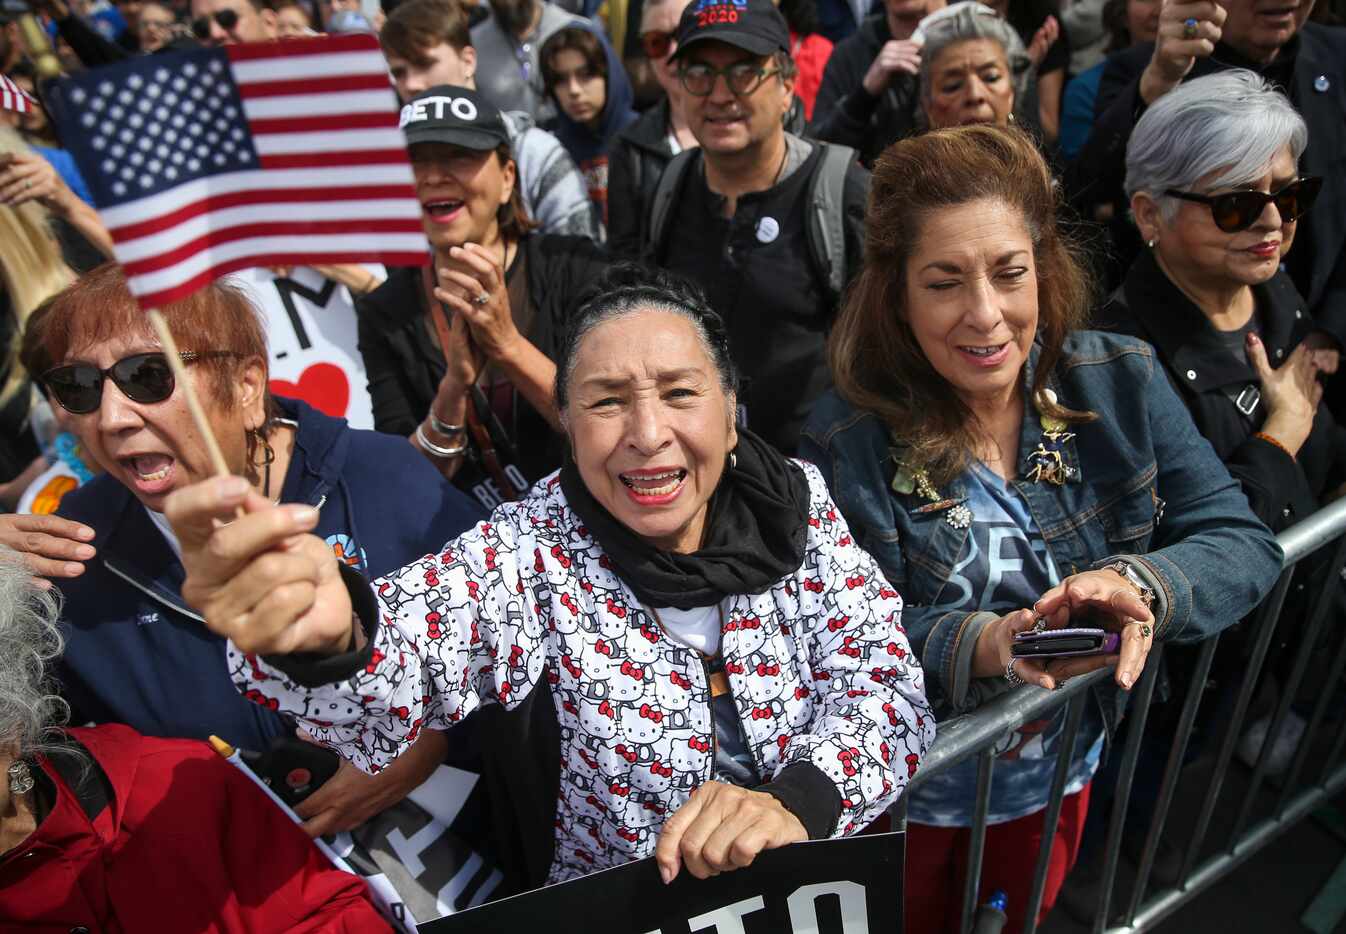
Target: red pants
937,867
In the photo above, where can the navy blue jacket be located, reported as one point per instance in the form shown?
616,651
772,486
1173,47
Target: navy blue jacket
136,654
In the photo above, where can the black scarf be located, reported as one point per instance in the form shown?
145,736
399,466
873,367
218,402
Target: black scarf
756,529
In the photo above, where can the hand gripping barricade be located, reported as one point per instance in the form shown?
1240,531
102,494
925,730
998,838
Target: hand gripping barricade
1307,597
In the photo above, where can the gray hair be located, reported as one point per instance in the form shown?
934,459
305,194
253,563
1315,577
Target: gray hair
1228,125
963,22
29,642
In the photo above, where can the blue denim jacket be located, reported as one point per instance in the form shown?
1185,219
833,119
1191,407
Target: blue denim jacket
1143,486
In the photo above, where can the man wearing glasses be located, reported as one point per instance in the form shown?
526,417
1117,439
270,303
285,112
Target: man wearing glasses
742,221
224,22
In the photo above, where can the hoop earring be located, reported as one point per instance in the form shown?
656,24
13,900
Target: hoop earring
733,460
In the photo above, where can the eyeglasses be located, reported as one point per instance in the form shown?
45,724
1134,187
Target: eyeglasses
226,19
1239,210
742,78
142,377
657,45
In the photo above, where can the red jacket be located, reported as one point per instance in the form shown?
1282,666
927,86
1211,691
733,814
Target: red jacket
187,843
810,53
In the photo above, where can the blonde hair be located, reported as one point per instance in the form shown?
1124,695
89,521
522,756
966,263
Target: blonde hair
32,268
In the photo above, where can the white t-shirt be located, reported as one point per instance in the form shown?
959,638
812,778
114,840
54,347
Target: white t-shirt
697,628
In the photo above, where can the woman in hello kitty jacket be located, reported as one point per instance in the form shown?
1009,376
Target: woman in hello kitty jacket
680,612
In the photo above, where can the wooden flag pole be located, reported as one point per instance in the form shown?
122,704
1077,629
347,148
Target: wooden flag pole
160,325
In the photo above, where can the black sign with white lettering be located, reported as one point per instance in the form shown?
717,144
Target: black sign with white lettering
847,886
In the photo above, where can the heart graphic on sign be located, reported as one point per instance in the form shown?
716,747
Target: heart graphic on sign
322,385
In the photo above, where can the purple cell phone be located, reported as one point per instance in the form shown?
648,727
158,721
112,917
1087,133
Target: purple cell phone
1063,643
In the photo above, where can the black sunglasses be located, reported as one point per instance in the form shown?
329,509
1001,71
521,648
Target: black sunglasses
227,20
142,377
1239,210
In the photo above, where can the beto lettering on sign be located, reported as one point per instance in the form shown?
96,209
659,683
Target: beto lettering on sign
847,886
433,108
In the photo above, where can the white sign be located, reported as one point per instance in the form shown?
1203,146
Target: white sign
311,330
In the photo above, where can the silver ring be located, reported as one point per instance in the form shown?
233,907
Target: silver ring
482,299
28,183
1039,623
1011,675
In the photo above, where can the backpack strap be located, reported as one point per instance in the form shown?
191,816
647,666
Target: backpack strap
827,216
665,193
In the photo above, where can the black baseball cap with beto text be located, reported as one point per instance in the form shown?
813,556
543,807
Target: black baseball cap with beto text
453,115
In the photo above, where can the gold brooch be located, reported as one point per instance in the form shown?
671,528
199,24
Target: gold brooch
1046,464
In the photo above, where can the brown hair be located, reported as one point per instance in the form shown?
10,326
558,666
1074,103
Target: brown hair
417,25
99,307
33,356
580,40
512,217
876,361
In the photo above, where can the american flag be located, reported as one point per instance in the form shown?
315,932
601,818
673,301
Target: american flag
211,160
13,97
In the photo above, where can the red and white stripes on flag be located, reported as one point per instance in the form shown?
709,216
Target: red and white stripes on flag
278,153
13,97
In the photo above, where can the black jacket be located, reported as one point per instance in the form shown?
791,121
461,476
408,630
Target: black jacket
846,113
635,162
1281,489
1319,52
758,272
404,363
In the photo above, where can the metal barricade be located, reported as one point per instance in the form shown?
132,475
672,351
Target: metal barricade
1254,823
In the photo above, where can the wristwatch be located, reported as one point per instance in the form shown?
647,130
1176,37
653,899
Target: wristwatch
1143,590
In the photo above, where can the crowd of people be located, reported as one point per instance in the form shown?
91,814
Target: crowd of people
777,368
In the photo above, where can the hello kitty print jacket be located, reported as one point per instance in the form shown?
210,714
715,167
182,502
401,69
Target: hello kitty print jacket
526,608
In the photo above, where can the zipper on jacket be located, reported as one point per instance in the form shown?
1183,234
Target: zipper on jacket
710,712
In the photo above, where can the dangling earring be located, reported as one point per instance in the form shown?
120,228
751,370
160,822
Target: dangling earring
733,460
1011,118
20,778
255,438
